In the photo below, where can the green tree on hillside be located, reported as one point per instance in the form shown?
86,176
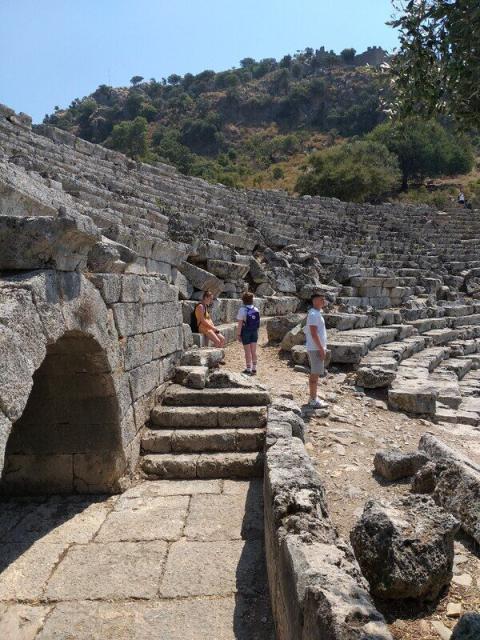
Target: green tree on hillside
348,55
363,171
424,148
136,80
130,137
437,68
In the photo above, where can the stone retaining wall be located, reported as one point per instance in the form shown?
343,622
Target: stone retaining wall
83,358
316,588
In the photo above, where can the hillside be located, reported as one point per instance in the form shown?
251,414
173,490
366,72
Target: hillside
249,126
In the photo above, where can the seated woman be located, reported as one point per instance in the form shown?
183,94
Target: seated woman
204,321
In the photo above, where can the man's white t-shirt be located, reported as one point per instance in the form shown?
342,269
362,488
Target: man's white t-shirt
315,318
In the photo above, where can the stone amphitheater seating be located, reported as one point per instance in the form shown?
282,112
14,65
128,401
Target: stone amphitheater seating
404,279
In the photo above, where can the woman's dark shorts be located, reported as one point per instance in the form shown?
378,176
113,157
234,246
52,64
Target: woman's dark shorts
249,335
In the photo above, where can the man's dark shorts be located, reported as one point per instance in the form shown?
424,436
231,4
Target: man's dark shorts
249,335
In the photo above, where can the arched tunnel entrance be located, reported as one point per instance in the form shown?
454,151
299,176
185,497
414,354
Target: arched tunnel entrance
68,438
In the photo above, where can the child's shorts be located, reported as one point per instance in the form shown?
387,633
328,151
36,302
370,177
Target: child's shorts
317,365
249,336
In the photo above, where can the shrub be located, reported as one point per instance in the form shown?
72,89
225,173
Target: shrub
424,148
358,171
130,137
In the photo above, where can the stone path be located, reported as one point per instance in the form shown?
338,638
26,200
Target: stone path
173,560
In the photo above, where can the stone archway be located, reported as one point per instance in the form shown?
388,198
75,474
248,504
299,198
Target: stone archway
68,436
66,420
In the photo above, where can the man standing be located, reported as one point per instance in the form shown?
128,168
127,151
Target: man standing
316,342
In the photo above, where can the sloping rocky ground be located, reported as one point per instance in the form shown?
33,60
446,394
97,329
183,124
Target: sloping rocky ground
343,445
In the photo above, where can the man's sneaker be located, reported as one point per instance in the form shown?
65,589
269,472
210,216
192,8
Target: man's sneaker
317,404
253,372
247,372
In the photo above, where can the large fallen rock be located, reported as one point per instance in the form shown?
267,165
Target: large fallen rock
231,271
293,338
457,487
425,479
374,377
405,548
468,627
200,278
393,464
279,326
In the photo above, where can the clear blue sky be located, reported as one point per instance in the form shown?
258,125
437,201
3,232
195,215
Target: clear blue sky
52,51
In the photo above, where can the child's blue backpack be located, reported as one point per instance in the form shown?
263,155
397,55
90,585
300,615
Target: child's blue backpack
252,321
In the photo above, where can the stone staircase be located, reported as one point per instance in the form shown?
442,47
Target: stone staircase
210,423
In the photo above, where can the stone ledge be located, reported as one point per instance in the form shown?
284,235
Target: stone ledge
316,587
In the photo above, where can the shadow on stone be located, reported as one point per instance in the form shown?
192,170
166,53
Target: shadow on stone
36,527
253,619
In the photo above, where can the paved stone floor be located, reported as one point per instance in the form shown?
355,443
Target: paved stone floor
170,560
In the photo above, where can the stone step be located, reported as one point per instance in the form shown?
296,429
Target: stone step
209,357
460,366
438,337
194,377
179,396
202,440
202,417
445,413
204,465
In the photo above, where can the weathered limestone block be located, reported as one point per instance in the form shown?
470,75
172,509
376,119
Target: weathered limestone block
20,119
405,548
374,377
43,242
109,285
185,288
279,326
274,305
393,464
231,271
128,318
180,396
347,352
210,250
139,350
307,291
167,341
425,479
210,357
194,377
200,278
315,584
225,379
173,253
457,487
108,256
299,355
420,399
295,336
284,280
257,272
264,289
155,289
145,378
160,315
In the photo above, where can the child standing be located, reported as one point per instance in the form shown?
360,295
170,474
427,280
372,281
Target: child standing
247,332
